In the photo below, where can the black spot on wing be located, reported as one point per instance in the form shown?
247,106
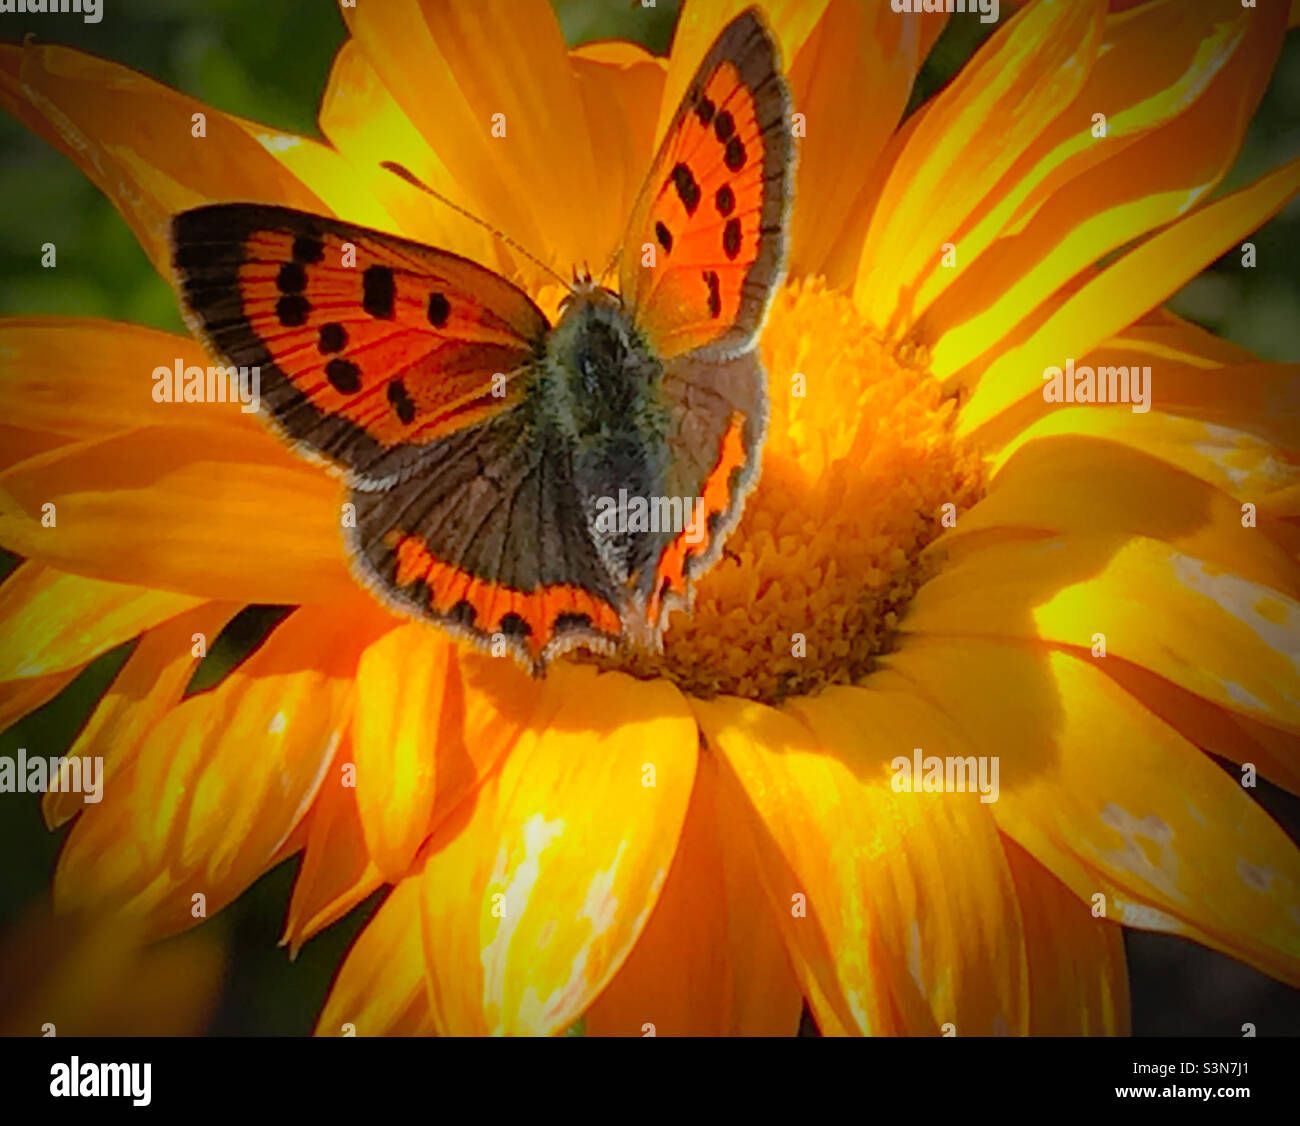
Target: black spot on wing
735,155
439,310
731,238
378,291
688,191
402,403
344,376
292,309
307,250
333,338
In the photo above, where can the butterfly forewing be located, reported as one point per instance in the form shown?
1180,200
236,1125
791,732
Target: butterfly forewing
369,347
711,217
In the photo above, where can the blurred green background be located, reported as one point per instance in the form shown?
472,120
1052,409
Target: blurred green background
268,61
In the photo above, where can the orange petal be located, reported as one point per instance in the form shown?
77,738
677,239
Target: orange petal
19,698
535,895
1086,789
380,990
1221,636
149,684
622,87
51,622
973,132
880,50
1232,460
458,70
220,783
133,138
93,977
1078,978
1116,296
336,872
711,961
77,378
155,502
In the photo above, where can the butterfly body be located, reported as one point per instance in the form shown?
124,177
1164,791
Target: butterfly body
603,390
528,486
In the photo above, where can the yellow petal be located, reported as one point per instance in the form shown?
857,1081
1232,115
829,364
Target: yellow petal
368,127
876,865
973,132
1078,978
155,502
218,785
1114,802
1229,640
380,990
1275,754
1177,94
149,684
1118,489
51,622
426,733
1230,459
711,961
534,897
1116,296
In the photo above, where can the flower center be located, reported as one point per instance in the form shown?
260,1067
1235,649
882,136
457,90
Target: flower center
858,465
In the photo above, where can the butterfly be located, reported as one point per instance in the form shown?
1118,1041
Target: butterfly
522,484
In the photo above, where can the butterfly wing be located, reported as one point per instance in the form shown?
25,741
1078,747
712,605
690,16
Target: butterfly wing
369,347
407,368
715,203
714,208
488,542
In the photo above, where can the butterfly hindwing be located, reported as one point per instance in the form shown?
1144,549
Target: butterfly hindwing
369,347
714,206
719,419
487,541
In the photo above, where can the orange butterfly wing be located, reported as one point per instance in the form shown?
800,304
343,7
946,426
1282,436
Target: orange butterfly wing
714,208
715,203
370,347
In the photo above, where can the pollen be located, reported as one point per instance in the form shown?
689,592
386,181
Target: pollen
859,464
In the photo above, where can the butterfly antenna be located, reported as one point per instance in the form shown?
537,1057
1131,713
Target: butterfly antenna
406,174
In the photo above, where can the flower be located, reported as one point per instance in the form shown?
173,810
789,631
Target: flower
1085,598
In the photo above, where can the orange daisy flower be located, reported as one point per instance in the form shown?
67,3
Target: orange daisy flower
1083,598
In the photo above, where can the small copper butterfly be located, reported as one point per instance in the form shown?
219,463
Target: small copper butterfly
478,440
